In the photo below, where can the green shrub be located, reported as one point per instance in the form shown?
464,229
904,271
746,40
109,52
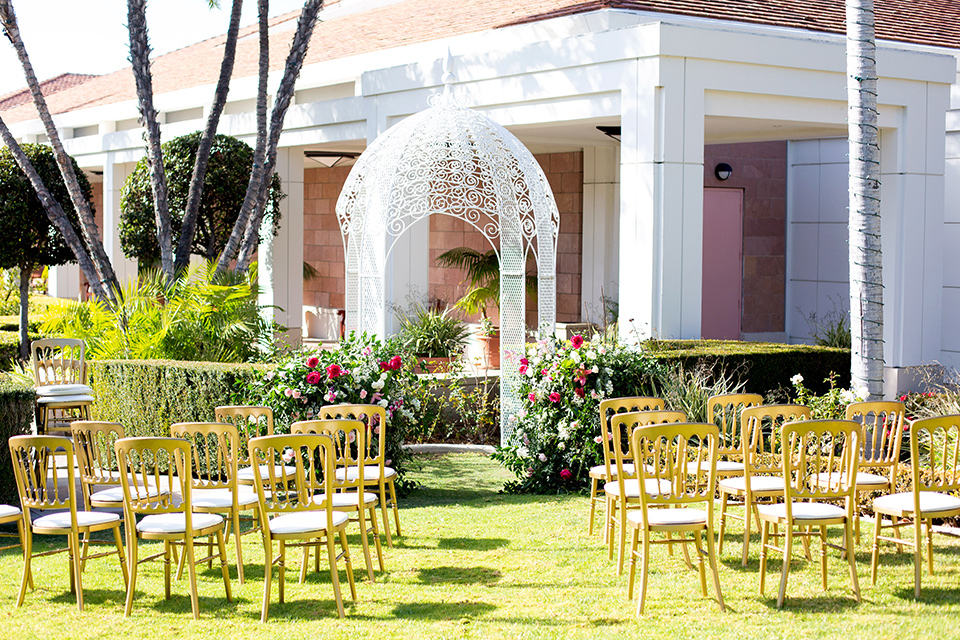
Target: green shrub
147,396
10,347
764,367
16,418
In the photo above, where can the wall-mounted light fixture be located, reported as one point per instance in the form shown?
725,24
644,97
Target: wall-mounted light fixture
331,158
611,131
723,171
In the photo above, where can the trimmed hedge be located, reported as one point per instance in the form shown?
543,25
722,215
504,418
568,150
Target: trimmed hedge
16,418
10,347
765,367
147,396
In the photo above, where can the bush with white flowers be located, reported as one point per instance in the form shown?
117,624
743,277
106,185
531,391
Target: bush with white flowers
556,437
832,405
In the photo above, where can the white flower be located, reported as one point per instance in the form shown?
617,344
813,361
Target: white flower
847,396
383,403
591,355
861,392
797,379
378,385
561,446
523,452
288,455
543,457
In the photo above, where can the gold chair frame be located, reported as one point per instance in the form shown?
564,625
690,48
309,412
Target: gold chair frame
936,479
679,461
297,514
725,411
811,448
59,361
251,421
164,463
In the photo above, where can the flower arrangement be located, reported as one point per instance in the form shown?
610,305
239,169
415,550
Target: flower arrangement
361,370
556,439
830,406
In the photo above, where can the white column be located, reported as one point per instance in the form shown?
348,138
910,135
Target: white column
661,203
114,175
64,281
281,257
601,208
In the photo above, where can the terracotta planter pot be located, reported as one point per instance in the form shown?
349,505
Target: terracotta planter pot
491,350
429,364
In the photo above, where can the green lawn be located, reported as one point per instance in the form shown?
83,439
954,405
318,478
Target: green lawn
476,564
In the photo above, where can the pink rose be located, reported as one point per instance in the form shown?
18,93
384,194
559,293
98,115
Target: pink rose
312,362
363,393
566,474
598,439
289,392
554,397
523,369
297,394
532,397
577,342
524,361
314,377
334,371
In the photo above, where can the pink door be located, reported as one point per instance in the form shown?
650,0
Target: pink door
722,263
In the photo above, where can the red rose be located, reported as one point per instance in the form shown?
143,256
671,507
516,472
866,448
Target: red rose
384,366
566,474
554,397
524,361
532,397
334,371
312,362
580,391
577,341
523,369
313,377
395,362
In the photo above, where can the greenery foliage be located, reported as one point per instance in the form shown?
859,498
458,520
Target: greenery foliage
431,332
556,438
688,390
198,317
16,418
456,407
224,187
147,396
831,405
483,275
361,370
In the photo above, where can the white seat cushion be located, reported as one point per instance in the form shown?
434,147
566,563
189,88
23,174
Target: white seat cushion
245,474
370,473
347,499
864,479
222,498
803,510
632,487
669,516
115,494
600,471
305,521
64,399
9,511
61,520
176,522
728,466
64,390
757,483
931,502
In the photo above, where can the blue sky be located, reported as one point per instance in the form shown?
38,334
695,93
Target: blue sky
67,36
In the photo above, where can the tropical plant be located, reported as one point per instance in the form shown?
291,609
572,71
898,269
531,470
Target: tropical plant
431,332
483,277
831,329
227,174
689,389
27,237
360,370
200,316
556,437
866,265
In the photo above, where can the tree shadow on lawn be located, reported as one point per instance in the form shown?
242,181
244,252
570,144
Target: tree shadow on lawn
800,601
459,575
935,596
473,544
442,610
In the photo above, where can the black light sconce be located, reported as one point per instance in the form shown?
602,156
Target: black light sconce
723,171
331,158
611,131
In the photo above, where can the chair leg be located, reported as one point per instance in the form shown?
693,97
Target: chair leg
875,549
745,553
723,519
267,577
383,512
611,520
823,555
764,539
364,539
712,557
593,504
26,540
376,537
635,539
851,559
74,552
785,572
132,564
282,569
348,563
930,546
701,567
192,570
396,508
623,540
166,567
334,573
917,555
223,563
123,561
645,569
236,536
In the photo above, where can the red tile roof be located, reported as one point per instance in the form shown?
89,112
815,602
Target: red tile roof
929,22
47,88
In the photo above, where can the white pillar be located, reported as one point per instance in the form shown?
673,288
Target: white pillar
281,257
64,281
601,208
114,175
661,203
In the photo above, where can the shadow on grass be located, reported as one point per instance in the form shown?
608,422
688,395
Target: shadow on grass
442,610
937,596
473,544
800,602
90,596
459,575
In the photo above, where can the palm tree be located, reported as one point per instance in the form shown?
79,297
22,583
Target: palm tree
866,281
483,275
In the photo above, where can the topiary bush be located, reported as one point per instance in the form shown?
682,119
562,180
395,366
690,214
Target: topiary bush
16,418
224,187
147,396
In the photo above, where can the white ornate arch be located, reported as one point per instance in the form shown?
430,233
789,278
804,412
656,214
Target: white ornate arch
452,160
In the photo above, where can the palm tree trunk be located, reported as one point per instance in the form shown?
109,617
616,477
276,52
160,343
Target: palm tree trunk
140,61
195,194
25,273
251,215
95,264
866,281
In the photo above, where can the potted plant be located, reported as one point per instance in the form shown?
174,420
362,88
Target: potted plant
483,275
435,336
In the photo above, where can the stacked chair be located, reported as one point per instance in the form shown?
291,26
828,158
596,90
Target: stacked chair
60,382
